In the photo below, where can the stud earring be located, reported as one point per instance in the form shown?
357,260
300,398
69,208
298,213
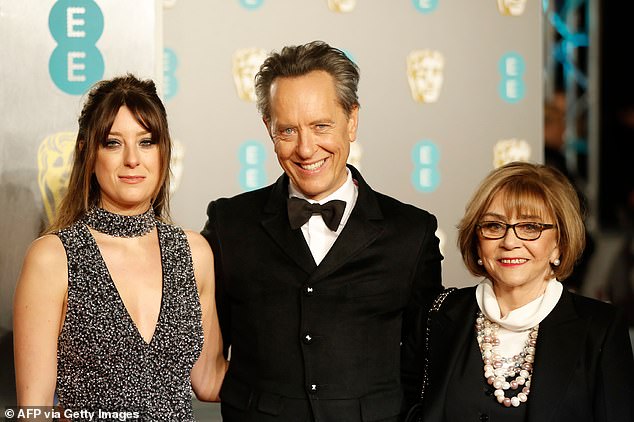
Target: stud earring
556,262
480,261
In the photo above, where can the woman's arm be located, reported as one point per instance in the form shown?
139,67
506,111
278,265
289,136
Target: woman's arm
209,371
38,313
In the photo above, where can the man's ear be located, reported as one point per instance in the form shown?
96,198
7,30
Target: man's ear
353,123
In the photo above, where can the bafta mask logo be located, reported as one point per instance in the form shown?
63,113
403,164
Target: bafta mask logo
425,74
508,150
511,7
54,163
342,6
176,164
246,63
356,154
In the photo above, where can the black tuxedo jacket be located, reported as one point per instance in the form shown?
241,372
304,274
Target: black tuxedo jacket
583,368
323,342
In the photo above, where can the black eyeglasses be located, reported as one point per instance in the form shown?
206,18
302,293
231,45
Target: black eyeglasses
494,230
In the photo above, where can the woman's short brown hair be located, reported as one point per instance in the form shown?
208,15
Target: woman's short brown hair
528,189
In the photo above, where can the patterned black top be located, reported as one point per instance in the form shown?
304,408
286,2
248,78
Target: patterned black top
103,363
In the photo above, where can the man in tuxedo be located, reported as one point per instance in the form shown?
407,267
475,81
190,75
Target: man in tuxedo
322,283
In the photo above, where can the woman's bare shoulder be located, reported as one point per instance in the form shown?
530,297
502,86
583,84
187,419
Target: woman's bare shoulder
198,245
46,255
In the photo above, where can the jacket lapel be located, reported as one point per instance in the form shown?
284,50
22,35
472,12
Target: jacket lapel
275,223
561,334
363,227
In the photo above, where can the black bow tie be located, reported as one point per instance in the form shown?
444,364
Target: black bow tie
300,211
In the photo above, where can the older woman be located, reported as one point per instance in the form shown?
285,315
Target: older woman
518,346
114,310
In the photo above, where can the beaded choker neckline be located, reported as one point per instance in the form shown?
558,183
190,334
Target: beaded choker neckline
120,225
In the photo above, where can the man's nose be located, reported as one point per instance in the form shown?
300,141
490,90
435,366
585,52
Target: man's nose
305,144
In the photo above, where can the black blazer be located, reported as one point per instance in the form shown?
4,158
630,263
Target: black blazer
583,370
321,340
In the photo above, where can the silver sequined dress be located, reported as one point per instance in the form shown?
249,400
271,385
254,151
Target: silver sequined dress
103,363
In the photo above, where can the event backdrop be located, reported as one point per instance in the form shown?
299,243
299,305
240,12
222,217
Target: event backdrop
449,89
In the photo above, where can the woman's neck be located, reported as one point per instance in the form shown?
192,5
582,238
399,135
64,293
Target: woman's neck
124,210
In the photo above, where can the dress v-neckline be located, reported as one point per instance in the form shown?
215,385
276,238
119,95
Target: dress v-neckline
120,299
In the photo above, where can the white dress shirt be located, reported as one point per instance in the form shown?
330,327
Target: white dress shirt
318,236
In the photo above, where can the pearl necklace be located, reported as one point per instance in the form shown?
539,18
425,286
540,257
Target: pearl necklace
498,369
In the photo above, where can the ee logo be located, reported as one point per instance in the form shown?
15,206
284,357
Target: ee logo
349,55
425,6
425,176
252,161
251,4
170,63
512,67
76,63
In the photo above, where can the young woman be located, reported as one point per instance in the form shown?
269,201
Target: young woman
114,310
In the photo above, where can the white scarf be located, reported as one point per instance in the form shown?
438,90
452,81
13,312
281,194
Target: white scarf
515,326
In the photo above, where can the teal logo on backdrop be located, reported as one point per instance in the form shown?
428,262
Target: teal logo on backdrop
425,6
512,87
349,55
425,175
170,63
251,4
76,63
252,156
